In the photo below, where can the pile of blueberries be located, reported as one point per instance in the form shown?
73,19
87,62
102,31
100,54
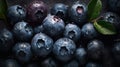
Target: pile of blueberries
60,37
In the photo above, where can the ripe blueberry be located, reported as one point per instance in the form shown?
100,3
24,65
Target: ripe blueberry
23,31
78,13
81,55
73,32
16,13
64,49
88,31
41,45
53,25
36,12
60,10
95,49
22,51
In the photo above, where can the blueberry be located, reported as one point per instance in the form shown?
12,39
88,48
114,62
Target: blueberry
6,40
112,18
41,45
73,32
78,13
22,51
49,62
53,25
114,5
88,31
81,55
16,13
72,63
95,49
64,49
23,31
60,10
93,64
116,51
11,63
39,29
36,12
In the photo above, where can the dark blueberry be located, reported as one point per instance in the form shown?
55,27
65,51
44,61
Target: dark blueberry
81,55
88,31
23,31
49,62
112,18
16,13
6,40
36,12
78,13
64,49
41,45
10,63
95,49
116,51
72,63
39,29
22,51
73,32
93,64
114,5
53,25
60,10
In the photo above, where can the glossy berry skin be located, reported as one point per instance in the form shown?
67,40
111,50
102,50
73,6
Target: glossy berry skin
81,55
64,49
93,64
22,51
10,63
41,45
53,25
49,62
16,13
36,12
23,31
114,5
95,49
6,40
73,32
72,63
78,13
88,31
112,18
60,10
116,51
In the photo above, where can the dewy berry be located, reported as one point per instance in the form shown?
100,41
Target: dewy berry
23,31
53,25
64,49
78,13
60,10
73,32
36,11
41,44
16,13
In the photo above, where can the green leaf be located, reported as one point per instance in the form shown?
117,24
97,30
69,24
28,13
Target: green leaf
105,28
94,9
3,9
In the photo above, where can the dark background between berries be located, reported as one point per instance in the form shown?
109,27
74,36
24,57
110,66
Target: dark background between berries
68,2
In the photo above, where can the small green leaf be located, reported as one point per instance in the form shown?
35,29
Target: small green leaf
105,28
94,9
3,9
